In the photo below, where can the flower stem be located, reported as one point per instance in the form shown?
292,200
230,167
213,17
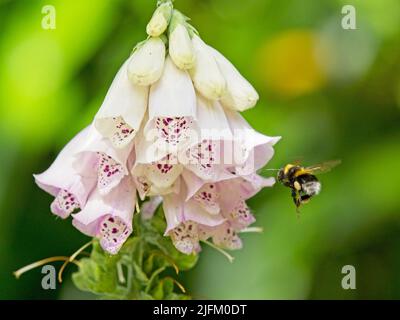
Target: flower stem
120,273
178,284
72,258
39,263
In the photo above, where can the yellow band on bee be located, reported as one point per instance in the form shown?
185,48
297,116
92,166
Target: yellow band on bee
287,168
301,171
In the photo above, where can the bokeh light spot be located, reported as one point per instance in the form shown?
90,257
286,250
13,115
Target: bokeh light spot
287,64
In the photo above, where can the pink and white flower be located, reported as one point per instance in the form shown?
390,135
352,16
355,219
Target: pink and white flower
97,158
172,109
169,129
211,210
121,114
205,156
109,217
63,182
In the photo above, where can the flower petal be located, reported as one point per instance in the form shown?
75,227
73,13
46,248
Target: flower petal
240,94
180,45
149,207
98,158
207,158
173,210
185,237
64,204
208,197
226,237
147,187
147,62
110,173
252,150
63,182
163,174
240,216
193,183
160,19
172,108
207,77
122,111
173,95
192,211
109,217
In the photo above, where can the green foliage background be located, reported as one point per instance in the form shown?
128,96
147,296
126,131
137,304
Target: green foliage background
330,92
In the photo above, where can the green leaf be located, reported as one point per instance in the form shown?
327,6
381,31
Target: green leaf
158,291
139,274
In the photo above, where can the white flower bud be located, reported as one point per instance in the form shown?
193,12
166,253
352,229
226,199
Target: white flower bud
180,44
206,76
160,20
147,62
240,94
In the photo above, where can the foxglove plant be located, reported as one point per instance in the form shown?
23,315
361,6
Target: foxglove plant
168,132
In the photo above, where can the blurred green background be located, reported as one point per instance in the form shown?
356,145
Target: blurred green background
331,93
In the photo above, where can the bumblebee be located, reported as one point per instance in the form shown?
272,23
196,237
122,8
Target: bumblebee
302,180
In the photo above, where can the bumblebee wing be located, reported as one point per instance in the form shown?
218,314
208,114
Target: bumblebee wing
322,167
297,161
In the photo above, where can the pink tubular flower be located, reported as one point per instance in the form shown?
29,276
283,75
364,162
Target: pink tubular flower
109,217
97,158
182,220
205,155
172,109
123,109
251,149
63,182
154,175
211,210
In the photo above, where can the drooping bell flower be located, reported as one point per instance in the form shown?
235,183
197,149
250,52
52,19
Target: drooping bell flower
251,150
206,75
147,62
182,218
180,45
157,178
172,109
109,217
205,155
160,20
63,182
240,95
169,129
98,158
155,171
121,114
216,210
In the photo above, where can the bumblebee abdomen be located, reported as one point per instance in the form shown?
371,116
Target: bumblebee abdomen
309,184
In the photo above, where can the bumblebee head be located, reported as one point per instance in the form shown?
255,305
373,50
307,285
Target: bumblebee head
281,175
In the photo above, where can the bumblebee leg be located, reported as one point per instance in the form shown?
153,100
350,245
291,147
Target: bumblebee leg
305,198
296,199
